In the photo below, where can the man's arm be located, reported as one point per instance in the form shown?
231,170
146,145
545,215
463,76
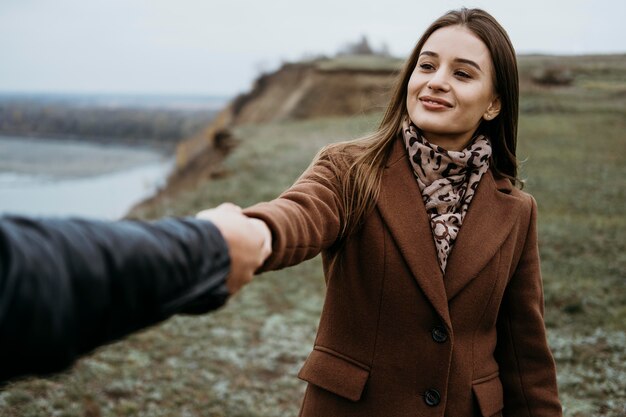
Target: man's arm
70,285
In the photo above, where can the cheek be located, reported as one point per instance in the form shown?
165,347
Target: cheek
476,101
411,94
410,88
413,90
414,83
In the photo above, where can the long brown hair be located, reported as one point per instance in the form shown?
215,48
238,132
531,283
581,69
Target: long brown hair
361,182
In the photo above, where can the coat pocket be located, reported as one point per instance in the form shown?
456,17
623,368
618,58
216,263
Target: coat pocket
488,393
335,372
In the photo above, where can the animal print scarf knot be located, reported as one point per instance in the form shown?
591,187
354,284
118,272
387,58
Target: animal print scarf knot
448,181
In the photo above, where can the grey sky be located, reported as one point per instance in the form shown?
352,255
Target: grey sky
220,46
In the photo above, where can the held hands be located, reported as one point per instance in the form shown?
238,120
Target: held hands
249,242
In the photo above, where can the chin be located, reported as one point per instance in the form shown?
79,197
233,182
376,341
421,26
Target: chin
431,127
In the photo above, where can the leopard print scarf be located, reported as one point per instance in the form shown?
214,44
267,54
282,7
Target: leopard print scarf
448,181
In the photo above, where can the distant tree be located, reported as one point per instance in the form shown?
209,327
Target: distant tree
363,47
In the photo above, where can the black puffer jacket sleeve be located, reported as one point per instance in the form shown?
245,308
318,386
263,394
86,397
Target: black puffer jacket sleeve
70,285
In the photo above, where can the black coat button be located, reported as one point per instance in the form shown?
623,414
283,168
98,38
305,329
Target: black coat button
439,334
432,397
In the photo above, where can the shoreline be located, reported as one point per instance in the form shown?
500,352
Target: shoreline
63,159
163,147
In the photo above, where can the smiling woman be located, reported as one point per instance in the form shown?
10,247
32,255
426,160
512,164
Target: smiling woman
434,302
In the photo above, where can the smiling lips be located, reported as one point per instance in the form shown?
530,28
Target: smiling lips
433,103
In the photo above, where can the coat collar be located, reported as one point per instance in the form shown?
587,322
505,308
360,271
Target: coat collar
489,220
487,223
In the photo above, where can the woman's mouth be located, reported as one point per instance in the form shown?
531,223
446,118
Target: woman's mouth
434,103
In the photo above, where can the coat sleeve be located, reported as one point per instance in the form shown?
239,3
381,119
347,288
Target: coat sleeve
70,285
527,368
305,219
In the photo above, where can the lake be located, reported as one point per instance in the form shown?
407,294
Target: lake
48,177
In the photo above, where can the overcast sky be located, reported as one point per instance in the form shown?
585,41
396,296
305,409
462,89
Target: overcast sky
219,46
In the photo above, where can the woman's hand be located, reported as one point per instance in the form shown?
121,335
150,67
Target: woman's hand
249,242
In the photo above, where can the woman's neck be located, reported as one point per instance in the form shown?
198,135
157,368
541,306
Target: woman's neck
449,142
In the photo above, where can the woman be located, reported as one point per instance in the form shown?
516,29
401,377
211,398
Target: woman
434,300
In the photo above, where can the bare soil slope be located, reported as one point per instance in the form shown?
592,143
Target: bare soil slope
343,86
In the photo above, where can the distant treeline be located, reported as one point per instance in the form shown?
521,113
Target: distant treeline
162,127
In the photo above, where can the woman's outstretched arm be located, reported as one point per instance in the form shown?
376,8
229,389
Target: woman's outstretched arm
305,219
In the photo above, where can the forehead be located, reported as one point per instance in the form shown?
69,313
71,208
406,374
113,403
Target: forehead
453,42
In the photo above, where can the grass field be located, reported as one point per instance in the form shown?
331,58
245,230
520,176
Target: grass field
242,360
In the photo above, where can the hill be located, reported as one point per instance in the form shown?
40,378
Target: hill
344,86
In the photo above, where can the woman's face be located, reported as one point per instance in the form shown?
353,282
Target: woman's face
451,89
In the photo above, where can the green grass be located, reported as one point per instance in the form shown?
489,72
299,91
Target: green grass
360,62
574,143
242,361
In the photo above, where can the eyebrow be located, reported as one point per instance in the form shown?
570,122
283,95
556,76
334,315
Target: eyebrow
462,60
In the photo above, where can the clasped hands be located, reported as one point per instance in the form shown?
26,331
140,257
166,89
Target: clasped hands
249,242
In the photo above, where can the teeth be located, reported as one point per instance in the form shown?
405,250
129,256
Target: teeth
434,102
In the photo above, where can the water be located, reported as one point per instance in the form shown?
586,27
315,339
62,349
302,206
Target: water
48,177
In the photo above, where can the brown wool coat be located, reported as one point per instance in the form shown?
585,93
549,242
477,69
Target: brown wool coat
396,338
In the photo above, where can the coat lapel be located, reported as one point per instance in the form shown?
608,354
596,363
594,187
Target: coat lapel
489,220
402,209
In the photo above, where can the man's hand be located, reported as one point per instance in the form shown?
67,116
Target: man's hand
249,242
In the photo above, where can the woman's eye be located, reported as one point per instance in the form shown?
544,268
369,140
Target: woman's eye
426,66
463,74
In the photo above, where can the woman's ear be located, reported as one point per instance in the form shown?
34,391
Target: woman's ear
493,110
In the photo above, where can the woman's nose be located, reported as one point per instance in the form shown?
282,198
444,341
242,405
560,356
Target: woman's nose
438,81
